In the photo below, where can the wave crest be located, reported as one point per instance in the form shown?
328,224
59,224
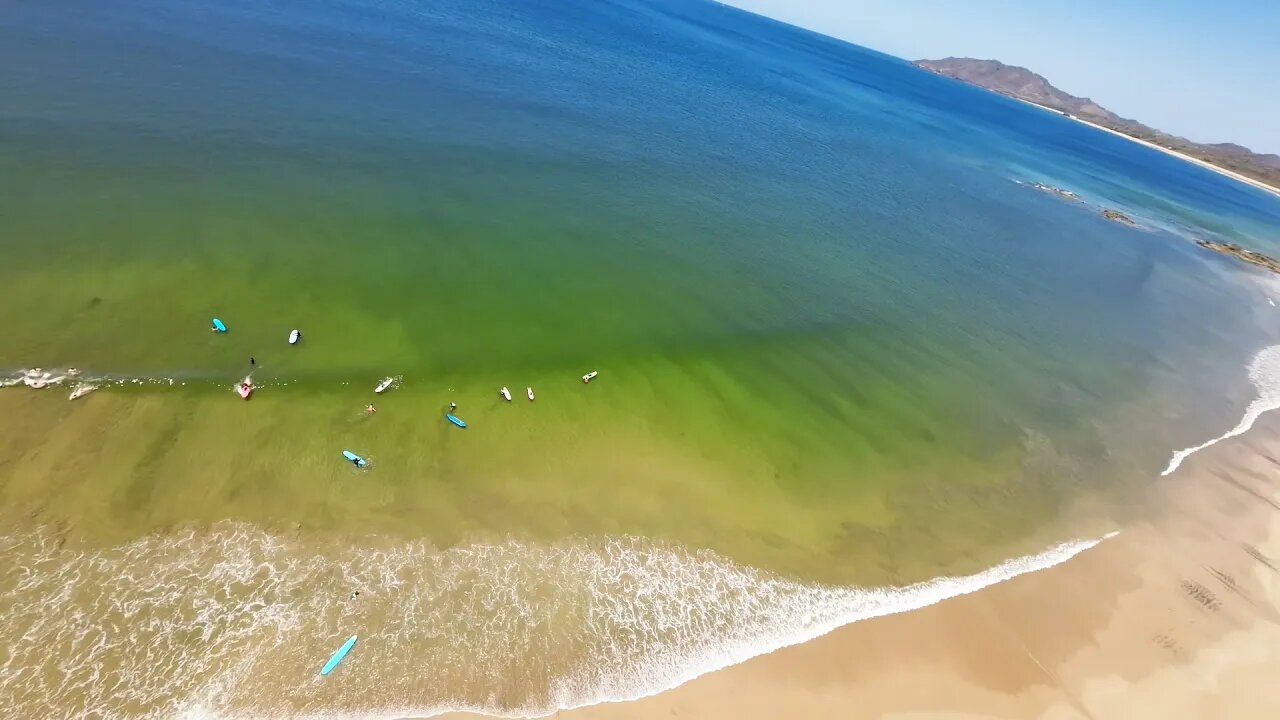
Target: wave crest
234,621
1264,373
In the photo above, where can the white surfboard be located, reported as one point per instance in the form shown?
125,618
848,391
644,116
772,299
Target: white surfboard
386,383
294,337
530,390
505,393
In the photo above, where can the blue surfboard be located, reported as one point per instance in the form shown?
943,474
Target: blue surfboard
337,657
451,418
354,458
217,325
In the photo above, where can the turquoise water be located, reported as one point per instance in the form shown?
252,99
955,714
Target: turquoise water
840,340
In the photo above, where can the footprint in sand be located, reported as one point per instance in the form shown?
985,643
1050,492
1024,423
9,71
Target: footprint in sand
1202,595
1167,642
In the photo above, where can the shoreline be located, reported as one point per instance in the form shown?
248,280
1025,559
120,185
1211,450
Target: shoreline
1194,160
1176,617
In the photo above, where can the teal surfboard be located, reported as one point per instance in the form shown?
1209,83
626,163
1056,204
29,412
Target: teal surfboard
451,418
217,325
354,458
337,657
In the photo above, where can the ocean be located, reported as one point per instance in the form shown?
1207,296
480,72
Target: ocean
851,360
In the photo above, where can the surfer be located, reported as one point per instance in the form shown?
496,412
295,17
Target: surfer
252,362
453,406
370,409
356,461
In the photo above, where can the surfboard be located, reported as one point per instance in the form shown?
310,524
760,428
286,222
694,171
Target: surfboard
590,376
294,337
337,656
505,393
245,387
217,325
453,419
530,391
354,458
386,383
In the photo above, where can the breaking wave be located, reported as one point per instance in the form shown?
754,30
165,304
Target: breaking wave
232,621
39,379
1264,373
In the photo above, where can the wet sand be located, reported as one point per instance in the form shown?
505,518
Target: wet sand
1178,616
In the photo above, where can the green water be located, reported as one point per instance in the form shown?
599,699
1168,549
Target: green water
833,339
840,342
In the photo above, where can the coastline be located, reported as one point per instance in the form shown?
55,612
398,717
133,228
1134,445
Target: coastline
831,363
1194,160
1176,617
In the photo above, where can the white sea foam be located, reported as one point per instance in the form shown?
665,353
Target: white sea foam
35,378
1264,373
38,379
235,622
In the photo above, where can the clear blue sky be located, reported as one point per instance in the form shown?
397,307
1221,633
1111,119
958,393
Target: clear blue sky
1205,69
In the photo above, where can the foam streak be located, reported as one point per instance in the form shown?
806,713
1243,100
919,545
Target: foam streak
1264,373
234,622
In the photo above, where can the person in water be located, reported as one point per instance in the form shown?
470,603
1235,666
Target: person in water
370,409
252,361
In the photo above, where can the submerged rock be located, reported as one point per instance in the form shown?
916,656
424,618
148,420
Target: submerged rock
1119,217
1249,256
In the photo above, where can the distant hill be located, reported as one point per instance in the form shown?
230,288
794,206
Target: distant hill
1021,83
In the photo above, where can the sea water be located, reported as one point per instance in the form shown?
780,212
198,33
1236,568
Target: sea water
844,346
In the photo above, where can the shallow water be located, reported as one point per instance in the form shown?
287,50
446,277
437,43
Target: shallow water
841,342
230,621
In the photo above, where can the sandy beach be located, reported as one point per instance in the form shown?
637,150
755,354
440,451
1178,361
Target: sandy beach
1177,616
1197,161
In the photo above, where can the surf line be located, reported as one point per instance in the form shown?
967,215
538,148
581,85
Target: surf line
1264,373
874,602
